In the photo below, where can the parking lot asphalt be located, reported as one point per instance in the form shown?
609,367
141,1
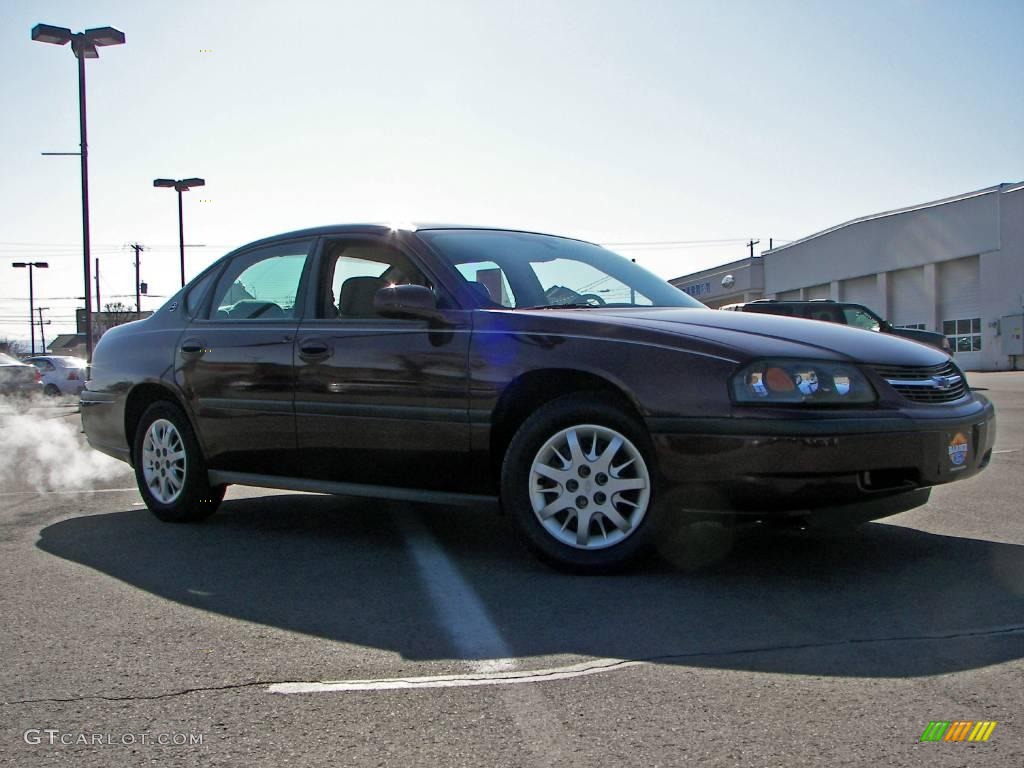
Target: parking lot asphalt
296,629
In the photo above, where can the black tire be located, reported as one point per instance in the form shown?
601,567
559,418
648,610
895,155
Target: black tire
51,390
585,411
196,499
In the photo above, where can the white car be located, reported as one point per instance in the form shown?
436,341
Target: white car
62,375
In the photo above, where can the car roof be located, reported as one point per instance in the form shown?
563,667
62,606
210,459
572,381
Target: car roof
383,229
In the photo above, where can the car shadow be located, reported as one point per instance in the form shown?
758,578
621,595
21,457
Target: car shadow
883,600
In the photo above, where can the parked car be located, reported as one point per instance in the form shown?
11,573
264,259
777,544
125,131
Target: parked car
435,365
17,378
844,313
61,375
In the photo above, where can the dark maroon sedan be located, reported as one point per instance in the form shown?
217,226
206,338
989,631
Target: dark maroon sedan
463,365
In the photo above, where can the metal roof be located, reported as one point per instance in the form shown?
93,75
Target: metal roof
1004,188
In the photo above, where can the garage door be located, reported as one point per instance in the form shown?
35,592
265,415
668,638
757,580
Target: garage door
909,304
819,291
861,290
960,308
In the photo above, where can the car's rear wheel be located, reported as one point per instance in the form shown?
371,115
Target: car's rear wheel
169,467
51,390
578,482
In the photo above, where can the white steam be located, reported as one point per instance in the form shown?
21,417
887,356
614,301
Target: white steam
41,449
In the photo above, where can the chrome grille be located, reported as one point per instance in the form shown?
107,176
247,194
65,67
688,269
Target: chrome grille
935,384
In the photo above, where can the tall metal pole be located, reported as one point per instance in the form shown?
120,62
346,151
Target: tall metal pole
99,304
31,309
42,335
85,205
138,291
181,239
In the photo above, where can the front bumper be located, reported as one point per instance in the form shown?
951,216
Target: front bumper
761,466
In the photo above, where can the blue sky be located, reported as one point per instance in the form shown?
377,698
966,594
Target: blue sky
619,122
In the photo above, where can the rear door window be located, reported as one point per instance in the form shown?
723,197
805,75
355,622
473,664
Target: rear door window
262,284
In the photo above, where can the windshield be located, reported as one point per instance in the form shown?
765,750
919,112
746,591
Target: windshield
520,270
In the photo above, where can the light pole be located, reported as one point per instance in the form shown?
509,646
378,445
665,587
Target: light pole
83,45
31,294
181,185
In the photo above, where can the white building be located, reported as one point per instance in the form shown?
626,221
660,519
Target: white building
955,266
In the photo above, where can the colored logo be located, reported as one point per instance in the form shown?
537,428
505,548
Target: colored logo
958,730
958,450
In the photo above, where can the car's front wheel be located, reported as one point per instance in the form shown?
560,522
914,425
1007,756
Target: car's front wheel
578,482
169,467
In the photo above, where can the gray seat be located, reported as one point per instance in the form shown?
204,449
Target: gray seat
356,299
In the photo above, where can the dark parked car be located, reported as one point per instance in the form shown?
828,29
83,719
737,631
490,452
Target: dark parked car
455,364
17,378
844,313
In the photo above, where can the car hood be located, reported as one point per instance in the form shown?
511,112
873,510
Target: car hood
744,335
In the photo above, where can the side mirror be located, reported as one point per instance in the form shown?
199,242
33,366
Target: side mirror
406,301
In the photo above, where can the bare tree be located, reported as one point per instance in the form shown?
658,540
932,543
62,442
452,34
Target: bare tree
13,347
114,314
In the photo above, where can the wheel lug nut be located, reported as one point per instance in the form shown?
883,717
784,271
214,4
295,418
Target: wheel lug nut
572,486
581,502
600,498
600,478
584,471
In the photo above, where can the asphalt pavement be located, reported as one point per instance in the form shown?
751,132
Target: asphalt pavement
296,629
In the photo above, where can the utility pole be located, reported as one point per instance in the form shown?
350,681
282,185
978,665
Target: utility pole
751,245
138,296
42,336
771,243
99,306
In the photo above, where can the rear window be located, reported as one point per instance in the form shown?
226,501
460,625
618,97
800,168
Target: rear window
8,360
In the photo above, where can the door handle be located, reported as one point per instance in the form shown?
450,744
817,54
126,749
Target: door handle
192,347
313,349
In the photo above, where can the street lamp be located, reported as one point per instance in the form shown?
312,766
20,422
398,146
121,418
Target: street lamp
83,45
181,185
31,295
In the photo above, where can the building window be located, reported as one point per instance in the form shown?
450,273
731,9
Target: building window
964,335
914,326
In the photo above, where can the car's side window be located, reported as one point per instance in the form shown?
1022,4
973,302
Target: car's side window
828,314
489,282
858,318
43,365
353,273
261,284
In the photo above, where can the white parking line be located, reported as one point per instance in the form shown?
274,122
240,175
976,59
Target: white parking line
460,610
458,681
465,619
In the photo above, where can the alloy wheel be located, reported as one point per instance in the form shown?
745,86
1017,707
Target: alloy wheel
589,487
163,461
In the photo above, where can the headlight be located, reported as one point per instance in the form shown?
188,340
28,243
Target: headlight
801,381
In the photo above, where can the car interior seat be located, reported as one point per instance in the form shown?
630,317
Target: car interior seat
356,296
